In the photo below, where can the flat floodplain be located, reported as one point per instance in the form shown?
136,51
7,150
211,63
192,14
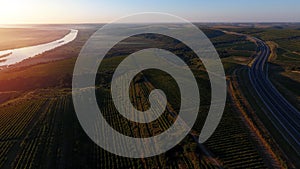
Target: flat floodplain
39,128
12,38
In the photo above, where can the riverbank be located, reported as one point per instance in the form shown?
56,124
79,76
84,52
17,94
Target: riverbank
12,38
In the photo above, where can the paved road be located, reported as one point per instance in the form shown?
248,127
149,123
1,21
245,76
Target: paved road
282,114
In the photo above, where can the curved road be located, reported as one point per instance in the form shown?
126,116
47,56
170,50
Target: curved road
284,117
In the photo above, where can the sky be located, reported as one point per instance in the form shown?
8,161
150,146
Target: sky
103,11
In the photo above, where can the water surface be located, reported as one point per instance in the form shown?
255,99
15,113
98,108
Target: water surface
10,57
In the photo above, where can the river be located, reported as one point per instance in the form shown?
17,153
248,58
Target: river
10,57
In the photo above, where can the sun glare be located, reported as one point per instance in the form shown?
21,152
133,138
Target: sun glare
27,11
12,11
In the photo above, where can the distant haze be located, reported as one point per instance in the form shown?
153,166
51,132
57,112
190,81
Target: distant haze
102,11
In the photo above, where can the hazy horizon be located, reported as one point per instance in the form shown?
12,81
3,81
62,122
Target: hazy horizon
99,23
93,11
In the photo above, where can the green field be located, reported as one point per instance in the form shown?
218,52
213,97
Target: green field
283,72
39,127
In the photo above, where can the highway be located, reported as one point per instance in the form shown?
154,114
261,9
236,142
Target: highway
284,116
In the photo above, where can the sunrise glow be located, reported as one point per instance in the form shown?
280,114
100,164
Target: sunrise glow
99,11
